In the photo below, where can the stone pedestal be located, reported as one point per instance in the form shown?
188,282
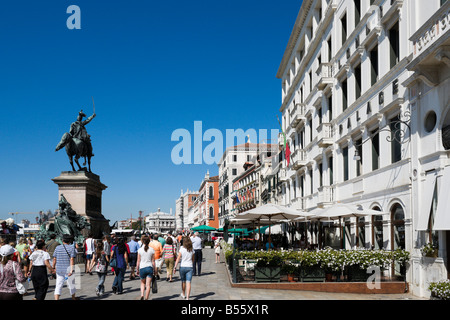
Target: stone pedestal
83,190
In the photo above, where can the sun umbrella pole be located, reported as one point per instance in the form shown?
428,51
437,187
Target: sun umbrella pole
270,238
234,257
253,233
259,230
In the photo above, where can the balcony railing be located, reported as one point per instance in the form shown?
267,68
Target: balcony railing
324,75
283,175
299,158
298,114
298,203
325,138
326,195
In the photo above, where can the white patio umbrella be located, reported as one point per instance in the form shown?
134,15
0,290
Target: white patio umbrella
274,213
343,210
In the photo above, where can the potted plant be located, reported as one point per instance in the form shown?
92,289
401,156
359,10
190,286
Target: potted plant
430,250
290,270
440,290
311,270
331,261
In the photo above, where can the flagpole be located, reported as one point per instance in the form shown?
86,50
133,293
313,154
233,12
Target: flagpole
287,151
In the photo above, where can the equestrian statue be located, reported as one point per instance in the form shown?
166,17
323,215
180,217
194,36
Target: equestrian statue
78,142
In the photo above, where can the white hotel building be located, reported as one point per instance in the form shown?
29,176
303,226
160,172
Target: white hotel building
351,70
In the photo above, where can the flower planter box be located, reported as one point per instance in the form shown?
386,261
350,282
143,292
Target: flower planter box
312,274
432,254
267,274
356,274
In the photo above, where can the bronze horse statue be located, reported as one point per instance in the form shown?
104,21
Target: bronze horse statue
78,149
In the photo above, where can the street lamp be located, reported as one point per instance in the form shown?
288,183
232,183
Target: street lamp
357,157
397,130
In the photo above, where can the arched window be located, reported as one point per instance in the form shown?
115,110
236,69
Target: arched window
211,213
377,230
211,192
398,227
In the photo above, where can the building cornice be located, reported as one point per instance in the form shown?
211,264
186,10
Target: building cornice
295,34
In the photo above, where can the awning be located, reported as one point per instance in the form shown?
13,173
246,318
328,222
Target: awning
426,198
442,219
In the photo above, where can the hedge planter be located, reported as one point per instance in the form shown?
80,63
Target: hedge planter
356,274
312,274
267,274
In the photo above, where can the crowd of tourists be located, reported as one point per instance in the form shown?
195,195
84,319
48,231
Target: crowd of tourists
35,262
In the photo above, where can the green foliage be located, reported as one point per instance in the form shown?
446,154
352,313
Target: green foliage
429,250
329,259
440,289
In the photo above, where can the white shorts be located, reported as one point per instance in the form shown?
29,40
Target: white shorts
159,262
60,283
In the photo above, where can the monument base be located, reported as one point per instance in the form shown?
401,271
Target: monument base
83,190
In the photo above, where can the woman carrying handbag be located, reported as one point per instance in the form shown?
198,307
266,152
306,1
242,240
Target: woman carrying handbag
120,254
100,260
169,257
11,276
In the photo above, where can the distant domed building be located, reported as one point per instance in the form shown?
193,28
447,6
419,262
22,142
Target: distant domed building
161,222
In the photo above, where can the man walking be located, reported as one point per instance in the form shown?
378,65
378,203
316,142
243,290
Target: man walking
50,247
156,245
64,265
197,246
134,247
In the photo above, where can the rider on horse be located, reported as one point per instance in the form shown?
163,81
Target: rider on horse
79,133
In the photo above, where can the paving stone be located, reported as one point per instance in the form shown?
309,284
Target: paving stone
212,284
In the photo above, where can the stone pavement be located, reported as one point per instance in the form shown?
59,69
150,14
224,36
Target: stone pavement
212,284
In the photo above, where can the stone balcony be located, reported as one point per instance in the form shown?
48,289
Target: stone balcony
324,75
325,135
298,114
299,158
325,196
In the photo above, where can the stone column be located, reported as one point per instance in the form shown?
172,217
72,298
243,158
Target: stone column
83,190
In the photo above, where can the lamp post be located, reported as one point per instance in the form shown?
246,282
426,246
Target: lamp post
397,130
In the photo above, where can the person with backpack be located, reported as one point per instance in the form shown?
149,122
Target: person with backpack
100,261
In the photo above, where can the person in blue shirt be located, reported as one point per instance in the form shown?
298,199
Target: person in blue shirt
134,247
64,266
120,253
269,240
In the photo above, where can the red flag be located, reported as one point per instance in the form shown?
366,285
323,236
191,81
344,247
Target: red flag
288,154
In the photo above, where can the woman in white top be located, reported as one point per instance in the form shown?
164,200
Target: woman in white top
145,266
186,260
39,262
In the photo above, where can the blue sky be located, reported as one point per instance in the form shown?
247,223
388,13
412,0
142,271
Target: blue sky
152,67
